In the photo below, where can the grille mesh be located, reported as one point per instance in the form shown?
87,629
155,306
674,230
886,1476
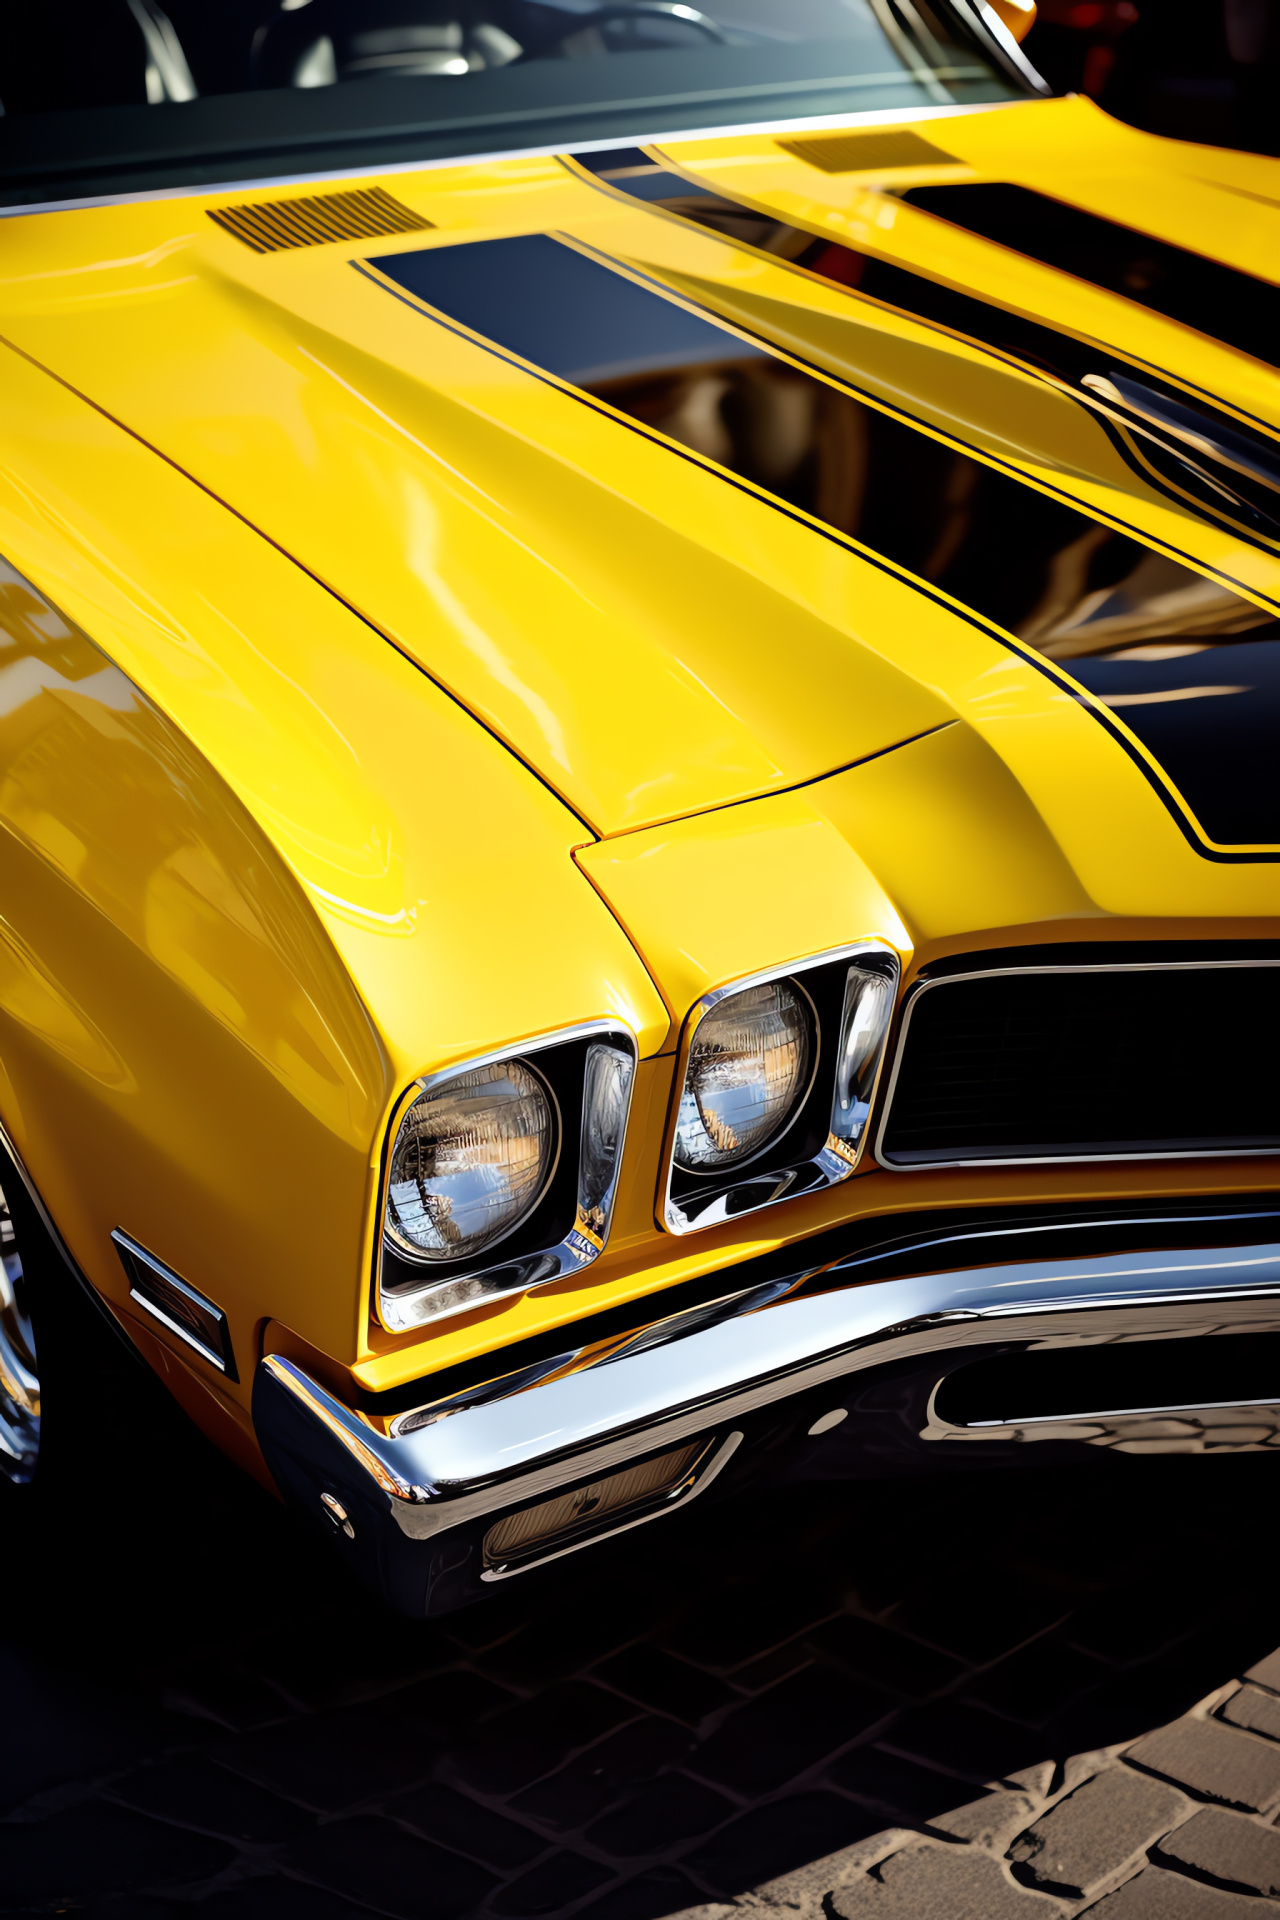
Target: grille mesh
868,152
1049,1064
269,225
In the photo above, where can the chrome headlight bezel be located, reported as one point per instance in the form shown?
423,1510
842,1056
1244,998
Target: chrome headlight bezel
824,1137
589,1072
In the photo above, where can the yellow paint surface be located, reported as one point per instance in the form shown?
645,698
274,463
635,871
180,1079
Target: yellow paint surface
368,703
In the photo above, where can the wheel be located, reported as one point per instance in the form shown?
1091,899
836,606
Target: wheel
68,1374
19,1377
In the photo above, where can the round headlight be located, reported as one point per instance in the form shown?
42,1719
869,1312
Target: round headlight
471,1161
748,1068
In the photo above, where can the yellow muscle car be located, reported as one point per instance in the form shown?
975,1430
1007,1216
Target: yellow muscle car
639,742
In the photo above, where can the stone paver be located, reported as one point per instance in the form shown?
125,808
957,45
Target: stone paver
1214,1761
1256,1711
933,1883
990,1822
1266,1672
193,1791
94,1849
1154,1895
880,1700
1096,1832
1228,1848
800,1843
369,1859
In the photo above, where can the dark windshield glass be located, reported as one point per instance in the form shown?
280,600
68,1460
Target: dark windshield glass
110,96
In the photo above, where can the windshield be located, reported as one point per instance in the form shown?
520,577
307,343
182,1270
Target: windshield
103,97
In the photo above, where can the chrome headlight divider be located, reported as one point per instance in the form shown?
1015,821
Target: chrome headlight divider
852,991
589,1071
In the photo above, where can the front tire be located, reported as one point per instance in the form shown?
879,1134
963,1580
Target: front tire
19,1374
68,1371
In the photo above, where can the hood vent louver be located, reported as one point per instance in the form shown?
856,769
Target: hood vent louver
269,225
868,152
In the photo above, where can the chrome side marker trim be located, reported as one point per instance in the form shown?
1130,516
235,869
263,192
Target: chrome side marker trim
159,1291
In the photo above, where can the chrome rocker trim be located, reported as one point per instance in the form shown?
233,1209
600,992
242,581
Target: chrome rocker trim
420,1489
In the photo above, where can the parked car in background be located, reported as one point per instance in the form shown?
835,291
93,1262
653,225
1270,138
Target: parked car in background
638,831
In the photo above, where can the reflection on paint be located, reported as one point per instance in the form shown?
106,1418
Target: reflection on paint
1082,594
1189,450
113,799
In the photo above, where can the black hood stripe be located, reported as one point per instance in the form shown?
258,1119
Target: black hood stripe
952,523
1233,307
1184,451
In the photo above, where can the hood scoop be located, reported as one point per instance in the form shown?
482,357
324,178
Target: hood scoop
314,219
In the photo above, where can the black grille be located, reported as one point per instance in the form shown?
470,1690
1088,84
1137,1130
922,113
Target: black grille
1048,1063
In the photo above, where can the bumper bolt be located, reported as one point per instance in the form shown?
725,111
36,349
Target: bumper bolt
336,1512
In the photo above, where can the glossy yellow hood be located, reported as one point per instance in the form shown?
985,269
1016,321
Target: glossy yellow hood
611,620
721,739
651,639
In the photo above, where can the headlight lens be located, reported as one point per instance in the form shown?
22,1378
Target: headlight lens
606,1098
868,1009
471,1161
748,1066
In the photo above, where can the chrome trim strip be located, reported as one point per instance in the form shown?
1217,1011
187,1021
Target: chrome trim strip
1109,1413
701,1481
562,1036
274,182
832,1163
343,1425
1188,1428
916,992
197,1346
578,1248
984,18
131,1251
685,1377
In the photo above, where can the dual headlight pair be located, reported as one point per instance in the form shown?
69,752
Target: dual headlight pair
485,1191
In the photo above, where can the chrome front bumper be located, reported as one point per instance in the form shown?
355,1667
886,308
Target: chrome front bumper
833,1368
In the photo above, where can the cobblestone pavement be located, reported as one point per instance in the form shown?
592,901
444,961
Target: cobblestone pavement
996,1695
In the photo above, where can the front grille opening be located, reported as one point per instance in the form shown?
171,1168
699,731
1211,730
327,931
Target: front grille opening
1095,1063
1137,1376
523,1538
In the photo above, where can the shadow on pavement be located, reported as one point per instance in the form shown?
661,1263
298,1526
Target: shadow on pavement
204,1713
